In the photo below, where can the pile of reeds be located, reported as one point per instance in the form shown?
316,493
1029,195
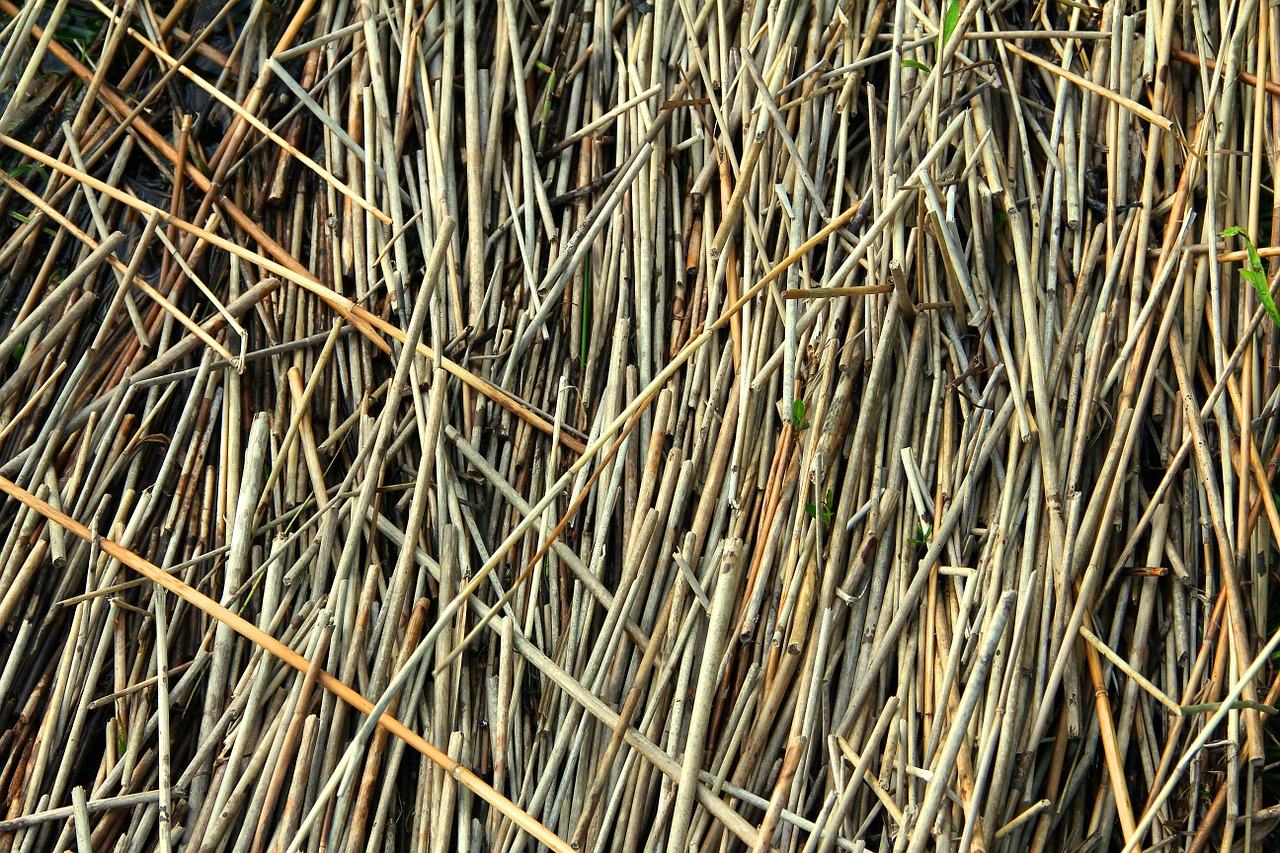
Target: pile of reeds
495,425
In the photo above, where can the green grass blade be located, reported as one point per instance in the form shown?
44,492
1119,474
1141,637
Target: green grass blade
1255,273
949,22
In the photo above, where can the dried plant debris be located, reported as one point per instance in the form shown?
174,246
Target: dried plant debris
482,425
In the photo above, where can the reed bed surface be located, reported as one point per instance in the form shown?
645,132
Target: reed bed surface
513,425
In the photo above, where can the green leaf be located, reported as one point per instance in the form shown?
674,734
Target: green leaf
949,22
1255,273
30,167
829,508
825,513
923,534
919,66
798,410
